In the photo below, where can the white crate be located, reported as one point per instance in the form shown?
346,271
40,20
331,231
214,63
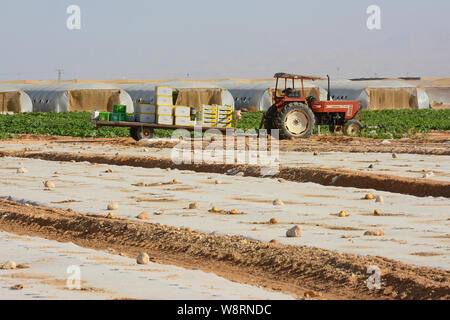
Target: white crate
182,111
164,101
145,108
182,121
147,117
165,110
164,91
167,120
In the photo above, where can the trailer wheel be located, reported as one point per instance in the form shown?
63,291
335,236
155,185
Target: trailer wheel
133,133
295,120
144,133
353,128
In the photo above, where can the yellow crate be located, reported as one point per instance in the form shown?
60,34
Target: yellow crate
164,101
224,125
182,121
145,108
147,117
227,109
163,119
165,110
164,91
181,111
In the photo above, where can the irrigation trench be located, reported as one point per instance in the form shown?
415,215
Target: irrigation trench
273,266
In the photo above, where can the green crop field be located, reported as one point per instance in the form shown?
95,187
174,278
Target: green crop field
398,124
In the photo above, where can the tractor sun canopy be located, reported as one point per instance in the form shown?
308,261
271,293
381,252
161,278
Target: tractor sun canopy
296,76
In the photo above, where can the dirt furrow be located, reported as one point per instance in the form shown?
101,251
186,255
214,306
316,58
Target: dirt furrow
426,144
274,266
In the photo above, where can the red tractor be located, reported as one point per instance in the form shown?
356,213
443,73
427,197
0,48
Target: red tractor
296,115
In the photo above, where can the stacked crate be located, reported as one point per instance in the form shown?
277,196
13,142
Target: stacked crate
209,116
145,113
164,104
119,113
104,116
182,116
224,116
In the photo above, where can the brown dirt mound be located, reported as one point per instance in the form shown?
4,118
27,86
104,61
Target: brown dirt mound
289,269
432,143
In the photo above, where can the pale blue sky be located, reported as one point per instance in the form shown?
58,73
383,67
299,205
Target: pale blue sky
153,39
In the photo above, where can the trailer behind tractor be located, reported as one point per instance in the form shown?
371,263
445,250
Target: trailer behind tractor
293,114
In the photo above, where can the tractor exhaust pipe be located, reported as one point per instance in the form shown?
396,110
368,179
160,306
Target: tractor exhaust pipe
329,93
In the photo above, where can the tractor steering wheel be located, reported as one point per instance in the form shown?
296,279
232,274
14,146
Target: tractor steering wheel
310,99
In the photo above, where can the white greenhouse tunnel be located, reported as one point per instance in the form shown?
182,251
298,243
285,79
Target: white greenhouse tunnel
88,96
194,92
438,94
372,93
14,100
62,97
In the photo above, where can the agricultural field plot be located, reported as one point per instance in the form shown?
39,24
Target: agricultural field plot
216,217
45,266
396,124
405,165
415,229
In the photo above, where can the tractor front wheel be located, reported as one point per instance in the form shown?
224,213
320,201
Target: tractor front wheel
353,128
295,120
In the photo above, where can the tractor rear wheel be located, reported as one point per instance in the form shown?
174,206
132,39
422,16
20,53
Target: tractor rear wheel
295,120
353,128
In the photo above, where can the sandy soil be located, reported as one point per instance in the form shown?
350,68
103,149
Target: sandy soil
278,267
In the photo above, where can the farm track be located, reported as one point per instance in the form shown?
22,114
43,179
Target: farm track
273,266
323,176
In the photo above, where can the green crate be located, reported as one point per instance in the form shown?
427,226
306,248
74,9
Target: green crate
120,108
115,117
104,116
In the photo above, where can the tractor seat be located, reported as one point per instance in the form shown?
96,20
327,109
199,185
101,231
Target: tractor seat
291,93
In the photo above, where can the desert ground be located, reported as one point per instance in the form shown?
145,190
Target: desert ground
218,230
